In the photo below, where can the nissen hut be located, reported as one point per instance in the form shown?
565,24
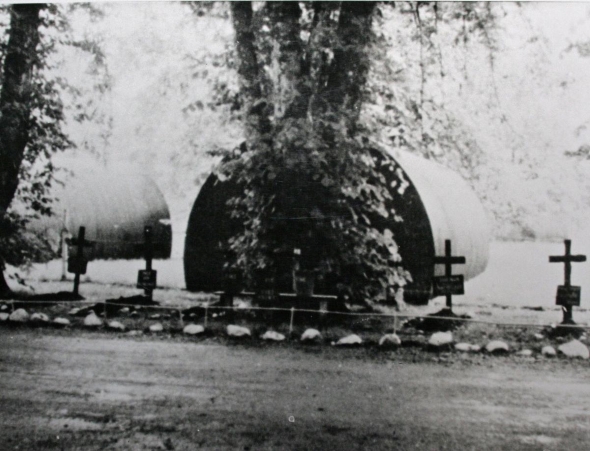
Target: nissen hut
114,206
435,204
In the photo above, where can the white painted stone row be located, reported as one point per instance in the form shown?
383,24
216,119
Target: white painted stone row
574,348
21,316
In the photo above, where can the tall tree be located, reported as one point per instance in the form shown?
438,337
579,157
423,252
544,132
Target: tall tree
16,96
32,121
309,174
16,103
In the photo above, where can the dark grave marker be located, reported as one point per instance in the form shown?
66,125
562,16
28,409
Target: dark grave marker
146,278
268,291
232,287
303,279
268,295
568,295
77,264
449,284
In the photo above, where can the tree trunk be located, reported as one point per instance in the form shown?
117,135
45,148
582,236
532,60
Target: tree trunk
291,90
255,108
350,67
15,99
16,103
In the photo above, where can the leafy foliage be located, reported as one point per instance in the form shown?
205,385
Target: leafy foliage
47,115
320,197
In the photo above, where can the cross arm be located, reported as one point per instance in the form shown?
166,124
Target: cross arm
75,242
452,260
566,258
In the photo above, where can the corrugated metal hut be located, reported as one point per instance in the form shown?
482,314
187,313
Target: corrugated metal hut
114,207
435,204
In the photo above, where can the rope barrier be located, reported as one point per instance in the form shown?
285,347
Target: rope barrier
293,310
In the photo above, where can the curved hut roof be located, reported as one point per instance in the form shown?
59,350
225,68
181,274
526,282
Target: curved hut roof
114,207
454,212
433,202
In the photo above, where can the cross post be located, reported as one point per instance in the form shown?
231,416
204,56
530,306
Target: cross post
232,286
146,279
449,285
147,232
77,264
567,295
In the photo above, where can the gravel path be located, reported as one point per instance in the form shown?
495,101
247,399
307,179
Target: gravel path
91,392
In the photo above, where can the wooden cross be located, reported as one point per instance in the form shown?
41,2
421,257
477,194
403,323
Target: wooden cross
77,264
146,278
567,295
448,284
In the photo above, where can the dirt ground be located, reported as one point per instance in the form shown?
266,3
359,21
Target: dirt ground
95,391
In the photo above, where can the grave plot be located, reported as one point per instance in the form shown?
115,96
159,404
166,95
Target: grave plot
108,211
568,295
78,263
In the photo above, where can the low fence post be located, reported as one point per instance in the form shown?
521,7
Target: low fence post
206,313
181,320
291,321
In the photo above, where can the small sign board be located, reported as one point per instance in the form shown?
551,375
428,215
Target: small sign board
444,285
146,279
568,295
77,265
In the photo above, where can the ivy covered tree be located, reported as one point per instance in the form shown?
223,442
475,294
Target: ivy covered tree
308,169
31,124
320,93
